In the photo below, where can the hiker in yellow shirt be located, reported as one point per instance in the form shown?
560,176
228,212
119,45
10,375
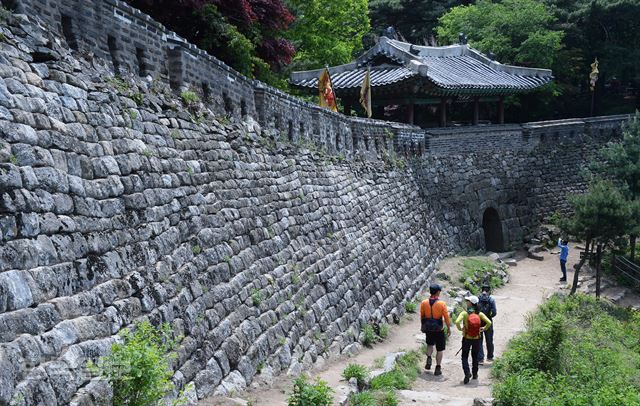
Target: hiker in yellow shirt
470,323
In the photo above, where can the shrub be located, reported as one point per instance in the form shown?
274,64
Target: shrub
410,307
360,372
387,398
310,394
369,337
138,368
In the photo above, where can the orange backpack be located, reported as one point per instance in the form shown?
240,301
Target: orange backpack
473,325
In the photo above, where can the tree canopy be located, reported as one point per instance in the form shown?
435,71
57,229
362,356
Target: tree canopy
601,213
415,20
246,34
327,32
516,31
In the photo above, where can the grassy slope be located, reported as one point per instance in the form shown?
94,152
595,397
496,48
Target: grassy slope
576,351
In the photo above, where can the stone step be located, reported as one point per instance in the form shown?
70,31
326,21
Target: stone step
434,398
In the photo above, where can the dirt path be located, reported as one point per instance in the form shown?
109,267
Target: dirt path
531,282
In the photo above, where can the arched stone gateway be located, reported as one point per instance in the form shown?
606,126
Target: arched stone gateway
493,239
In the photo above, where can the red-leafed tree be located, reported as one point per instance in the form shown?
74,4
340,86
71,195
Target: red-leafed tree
246,34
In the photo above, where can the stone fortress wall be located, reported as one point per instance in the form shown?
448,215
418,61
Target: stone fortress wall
132,42
264,257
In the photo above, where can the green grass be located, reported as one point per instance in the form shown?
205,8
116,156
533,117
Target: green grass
575,351
383,332
369,337
360,372
365,398
410,307
404,373
373,398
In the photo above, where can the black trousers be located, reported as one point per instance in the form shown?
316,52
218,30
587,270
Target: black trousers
474,347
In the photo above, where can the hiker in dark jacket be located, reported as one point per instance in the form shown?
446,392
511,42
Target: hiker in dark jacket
487,305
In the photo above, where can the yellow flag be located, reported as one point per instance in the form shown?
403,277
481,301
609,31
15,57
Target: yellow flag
593,76
325,89
365,93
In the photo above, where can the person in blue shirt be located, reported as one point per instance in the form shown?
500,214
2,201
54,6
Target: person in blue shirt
564,253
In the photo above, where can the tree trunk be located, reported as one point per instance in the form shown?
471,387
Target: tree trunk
577,267
632,242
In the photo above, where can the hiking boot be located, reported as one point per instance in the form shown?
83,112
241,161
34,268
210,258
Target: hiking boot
466,379
563,279
475,376
489,358
438,371
481,362
428,364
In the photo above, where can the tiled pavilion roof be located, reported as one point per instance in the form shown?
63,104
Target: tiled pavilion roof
449,70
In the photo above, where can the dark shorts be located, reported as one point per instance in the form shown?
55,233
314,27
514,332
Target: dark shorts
436,338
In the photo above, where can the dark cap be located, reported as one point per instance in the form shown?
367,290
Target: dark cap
435,288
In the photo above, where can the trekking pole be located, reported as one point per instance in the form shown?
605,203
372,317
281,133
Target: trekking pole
458,351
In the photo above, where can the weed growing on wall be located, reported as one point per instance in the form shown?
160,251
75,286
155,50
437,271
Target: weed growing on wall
189,97
576,351
410,307
369,336
138,368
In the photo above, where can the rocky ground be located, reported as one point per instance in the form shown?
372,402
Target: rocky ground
531,281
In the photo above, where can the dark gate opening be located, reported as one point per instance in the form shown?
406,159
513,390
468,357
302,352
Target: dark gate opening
492,227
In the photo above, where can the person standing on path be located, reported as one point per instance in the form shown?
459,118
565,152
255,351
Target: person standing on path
487,305
564,253
433,315
470,323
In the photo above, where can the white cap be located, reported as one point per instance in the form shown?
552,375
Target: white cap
472,299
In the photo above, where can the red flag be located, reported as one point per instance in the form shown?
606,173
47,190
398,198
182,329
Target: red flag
325,89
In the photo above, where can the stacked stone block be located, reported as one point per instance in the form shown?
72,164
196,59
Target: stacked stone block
113,211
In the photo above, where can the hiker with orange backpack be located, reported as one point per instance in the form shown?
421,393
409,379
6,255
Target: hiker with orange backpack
433,317
470,322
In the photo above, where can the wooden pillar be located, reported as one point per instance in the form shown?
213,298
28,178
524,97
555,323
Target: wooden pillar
409,113
443,112
501,110
476,110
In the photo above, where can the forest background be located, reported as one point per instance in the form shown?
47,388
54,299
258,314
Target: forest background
267,39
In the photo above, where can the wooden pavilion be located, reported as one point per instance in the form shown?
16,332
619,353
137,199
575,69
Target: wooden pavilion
410,75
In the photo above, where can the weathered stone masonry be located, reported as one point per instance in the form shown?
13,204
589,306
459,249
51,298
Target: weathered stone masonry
257,251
